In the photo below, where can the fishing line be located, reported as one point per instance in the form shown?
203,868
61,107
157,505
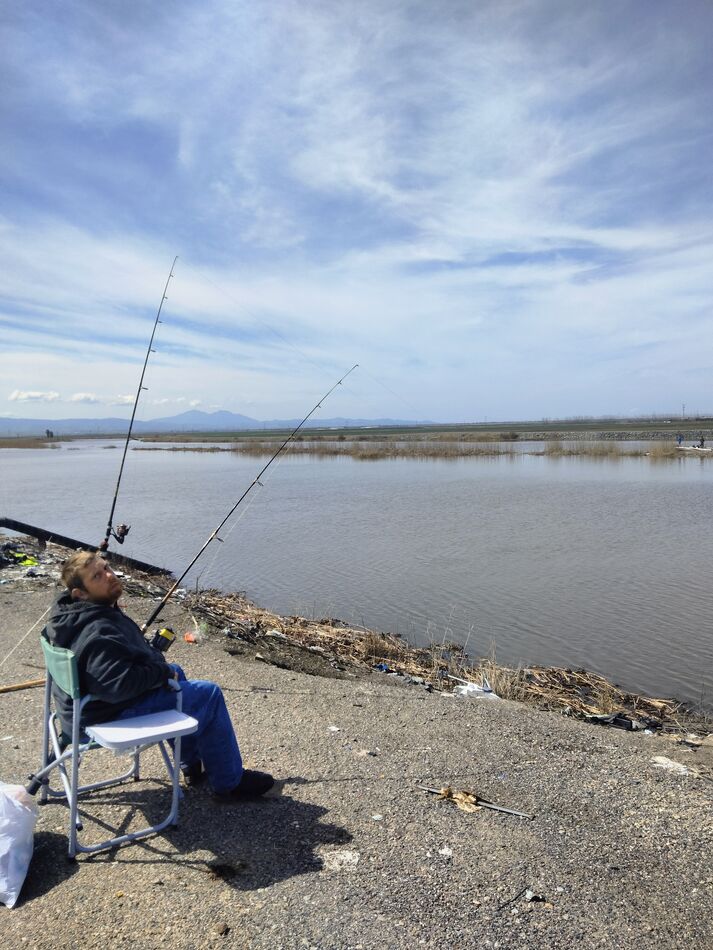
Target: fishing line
207,570
256,481
22,640
122,530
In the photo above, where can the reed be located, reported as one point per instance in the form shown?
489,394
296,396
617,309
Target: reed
24,443
579,693
370,449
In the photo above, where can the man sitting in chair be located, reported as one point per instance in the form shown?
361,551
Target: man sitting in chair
128,677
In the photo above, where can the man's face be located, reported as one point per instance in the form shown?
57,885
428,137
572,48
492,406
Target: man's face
101,585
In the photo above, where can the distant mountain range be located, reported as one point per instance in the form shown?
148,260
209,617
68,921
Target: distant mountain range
192,421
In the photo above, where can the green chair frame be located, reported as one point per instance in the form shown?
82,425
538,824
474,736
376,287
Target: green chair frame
127,736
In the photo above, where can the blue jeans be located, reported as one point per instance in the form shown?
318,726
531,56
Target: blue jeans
214,743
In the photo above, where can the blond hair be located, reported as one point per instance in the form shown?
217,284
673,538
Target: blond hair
74,565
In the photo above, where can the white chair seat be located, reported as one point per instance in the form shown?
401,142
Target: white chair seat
142,730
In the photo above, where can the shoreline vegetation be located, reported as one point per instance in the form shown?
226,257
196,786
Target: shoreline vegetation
332,648
376,450
373,450
578,693
600,438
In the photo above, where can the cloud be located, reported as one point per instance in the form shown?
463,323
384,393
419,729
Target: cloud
89,398
123,401
505,191
20,395
194,403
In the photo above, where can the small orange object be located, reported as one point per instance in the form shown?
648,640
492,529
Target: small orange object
189,638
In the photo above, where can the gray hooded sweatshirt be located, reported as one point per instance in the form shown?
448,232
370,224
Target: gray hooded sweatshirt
116,664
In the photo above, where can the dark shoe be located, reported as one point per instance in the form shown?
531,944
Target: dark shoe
194,774
252,785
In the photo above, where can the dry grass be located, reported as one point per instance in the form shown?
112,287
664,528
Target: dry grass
443,446
20,443
597,450
663,451
575,692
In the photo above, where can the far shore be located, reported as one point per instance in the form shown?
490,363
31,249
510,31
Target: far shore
445,442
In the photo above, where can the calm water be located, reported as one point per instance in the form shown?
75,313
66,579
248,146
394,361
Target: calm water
572,562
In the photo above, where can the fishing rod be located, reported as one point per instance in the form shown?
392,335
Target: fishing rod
255,481
121,531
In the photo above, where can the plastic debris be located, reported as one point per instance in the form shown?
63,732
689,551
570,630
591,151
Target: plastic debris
18,814
662,762
471,690
621,721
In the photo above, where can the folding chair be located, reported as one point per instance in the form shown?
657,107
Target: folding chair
128,736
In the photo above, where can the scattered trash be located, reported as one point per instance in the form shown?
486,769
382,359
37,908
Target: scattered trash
190,637
377,817
18,814
512,899
334,729
469,801
471,690
277,634
621,721
531,897
362,753
662,762
446,852
339,860
10,554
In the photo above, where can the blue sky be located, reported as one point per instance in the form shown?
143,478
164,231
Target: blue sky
499,210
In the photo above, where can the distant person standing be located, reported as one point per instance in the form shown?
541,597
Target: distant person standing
679,438
702,443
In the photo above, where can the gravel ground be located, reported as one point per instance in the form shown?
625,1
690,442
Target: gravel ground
348,852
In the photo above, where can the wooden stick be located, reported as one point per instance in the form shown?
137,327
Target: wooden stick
483,802
30,684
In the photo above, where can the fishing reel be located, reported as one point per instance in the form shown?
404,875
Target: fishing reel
162,639
120,533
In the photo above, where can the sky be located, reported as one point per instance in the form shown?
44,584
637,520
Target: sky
499,210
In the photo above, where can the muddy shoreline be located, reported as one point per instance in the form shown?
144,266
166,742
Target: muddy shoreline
330,648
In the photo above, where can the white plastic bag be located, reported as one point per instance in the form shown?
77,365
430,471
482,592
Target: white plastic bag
18,814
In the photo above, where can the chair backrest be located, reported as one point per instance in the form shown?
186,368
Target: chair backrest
62,667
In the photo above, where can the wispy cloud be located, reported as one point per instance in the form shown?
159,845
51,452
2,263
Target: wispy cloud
20,395
88,398
487,205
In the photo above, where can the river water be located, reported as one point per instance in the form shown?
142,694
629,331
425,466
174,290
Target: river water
572,562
